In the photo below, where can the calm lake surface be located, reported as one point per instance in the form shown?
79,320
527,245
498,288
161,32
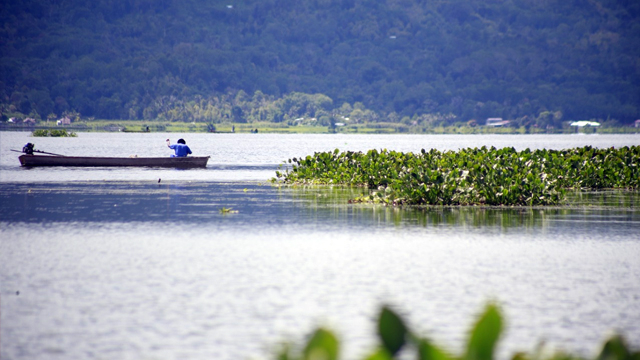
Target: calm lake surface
112,264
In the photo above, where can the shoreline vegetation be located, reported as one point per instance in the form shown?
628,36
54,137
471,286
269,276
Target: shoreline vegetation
472,176
395,339
302,128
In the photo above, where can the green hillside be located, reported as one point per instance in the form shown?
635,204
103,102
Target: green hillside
273,60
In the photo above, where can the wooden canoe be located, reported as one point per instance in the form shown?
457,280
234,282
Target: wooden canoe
170,162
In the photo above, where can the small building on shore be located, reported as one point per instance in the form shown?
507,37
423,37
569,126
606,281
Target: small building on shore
496,122
585,124
64,121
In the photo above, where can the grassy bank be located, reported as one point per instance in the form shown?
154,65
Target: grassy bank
270,127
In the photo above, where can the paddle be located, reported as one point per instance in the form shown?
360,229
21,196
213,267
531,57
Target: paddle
38,151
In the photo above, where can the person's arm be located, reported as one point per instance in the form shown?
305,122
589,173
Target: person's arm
168,143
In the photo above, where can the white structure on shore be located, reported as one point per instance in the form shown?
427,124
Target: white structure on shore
583,123
496,122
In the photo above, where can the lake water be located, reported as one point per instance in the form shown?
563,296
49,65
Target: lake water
112,264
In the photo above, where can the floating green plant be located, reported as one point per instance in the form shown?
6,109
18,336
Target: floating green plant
395,337
53,133
472,176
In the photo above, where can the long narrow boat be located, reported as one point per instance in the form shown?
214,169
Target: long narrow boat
171,162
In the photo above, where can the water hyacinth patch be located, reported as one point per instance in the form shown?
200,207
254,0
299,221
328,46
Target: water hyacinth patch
472,176
53,133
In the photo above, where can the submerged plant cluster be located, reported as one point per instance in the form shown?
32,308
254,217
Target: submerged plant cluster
53,133
396,341
472,176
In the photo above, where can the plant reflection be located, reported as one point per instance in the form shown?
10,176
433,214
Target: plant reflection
257,206
582,207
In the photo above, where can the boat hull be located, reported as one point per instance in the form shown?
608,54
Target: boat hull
168,162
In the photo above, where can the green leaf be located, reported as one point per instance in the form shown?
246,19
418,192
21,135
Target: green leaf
614,349
323,345
484,335
391,330
428,351
380,354
519,356
283,353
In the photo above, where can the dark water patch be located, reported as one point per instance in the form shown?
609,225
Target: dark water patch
127,201
251,206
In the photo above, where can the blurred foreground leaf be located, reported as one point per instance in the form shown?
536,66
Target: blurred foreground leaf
484,335
616,349
380,354
428,351
323,345
391,330
483,339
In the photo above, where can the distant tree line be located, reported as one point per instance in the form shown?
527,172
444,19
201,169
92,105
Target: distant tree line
291,109
277,60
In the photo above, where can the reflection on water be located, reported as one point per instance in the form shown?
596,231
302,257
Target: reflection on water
615,199
155,270
582,208
260,204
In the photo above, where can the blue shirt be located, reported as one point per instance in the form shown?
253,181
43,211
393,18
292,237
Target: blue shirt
180,149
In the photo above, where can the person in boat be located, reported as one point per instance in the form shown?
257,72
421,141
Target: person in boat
181,149
28,149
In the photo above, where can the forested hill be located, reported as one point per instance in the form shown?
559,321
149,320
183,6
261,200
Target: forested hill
130,59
